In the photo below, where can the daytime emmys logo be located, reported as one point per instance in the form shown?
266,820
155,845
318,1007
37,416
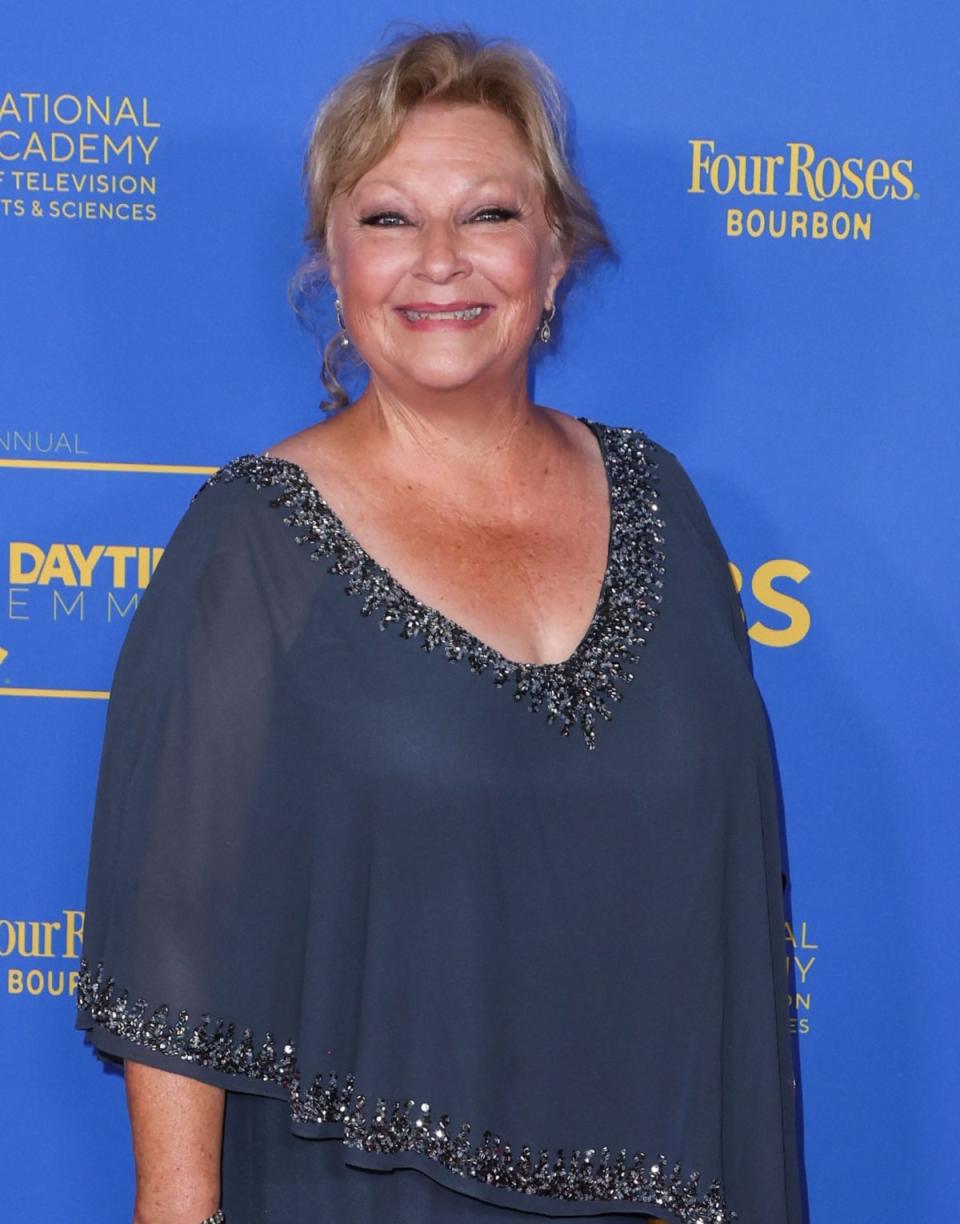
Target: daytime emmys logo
73,157
64,580
807,178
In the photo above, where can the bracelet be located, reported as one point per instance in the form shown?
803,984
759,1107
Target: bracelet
217,1218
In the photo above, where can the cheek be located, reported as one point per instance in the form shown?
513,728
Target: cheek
369,270
515,268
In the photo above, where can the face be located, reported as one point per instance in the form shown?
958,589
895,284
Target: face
451,218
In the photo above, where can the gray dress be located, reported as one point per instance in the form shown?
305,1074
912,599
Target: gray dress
460,937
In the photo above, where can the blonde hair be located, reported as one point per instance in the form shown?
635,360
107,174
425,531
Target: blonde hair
360,119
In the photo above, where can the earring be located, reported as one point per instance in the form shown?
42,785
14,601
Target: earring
346,339
545,325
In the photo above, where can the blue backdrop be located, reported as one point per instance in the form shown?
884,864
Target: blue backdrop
788,328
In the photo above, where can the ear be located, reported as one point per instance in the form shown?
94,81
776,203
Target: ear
558,269
333,272
329,247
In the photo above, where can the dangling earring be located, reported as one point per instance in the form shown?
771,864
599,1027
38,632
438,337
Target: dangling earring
545,325
346,339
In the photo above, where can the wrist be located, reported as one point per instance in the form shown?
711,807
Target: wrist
141,1217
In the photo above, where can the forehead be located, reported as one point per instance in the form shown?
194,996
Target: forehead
456,138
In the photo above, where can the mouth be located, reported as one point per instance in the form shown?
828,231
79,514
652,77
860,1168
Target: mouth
417,312
471,313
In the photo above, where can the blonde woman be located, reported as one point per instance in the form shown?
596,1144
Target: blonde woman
435,872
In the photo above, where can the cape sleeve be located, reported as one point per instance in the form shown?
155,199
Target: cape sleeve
708,533
711,539
194,877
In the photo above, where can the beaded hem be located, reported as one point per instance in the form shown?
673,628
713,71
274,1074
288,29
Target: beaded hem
390,1129
577,691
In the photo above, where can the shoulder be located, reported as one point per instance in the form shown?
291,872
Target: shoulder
681,496
235,531
660,468
250,473
634,446
231,580
661,463
240,500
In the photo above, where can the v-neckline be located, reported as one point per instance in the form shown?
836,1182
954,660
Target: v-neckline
455,625
579,689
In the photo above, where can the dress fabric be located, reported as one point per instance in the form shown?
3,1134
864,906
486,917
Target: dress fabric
461,938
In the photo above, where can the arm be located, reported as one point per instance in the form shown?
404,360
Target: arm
177,1127
704,524
713,542
181,976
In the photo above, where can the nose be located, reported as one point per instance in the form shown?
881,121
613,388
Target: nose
440,255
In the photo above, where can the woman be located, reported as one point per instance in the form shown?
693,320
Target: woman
357,908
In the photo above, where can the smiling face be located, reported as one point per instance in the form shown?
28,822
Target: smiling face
451,218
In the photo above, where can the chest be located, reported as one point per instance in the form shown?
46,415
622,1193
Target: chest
662,578
524,576
389,708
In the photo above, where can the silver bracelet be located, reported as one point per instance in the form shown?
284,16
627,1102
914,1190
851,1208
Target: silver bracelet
217,1218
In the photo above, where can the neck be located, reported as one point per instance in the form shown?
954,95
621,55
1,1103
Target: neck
473,429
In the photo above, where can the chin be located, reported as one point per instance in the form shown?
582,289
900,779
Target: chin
445,378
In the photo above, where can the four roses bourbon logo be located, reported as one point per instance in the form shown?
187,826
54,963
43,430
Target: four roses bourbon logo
801,177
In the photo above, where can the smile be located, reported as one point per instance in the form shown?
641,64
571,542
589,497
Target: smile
414,315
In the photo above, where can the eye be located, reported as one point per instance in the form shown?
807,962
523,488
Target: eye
499,214
390,220
377,218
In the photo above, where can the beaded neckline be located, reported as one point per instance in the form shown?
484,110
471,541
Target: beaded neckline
575,691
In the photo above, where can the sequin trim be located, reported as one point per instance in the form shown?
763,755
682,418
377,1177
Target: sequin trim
390,1128
577,691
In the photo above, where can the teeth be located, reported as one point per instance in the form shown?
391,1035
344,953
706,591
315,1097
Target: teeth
443,314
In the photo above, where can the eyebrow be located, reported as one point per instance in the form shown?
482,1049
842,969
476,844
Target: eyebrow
490,178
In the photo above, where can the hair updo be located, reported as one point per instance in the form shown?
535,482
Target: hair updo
361,117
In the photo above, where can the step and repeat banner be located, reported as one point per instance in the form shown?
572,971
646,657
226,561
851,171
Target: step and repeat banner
781,182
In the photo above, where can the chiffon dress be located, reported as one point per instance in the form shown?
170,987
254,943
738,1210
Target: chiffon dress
462,938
